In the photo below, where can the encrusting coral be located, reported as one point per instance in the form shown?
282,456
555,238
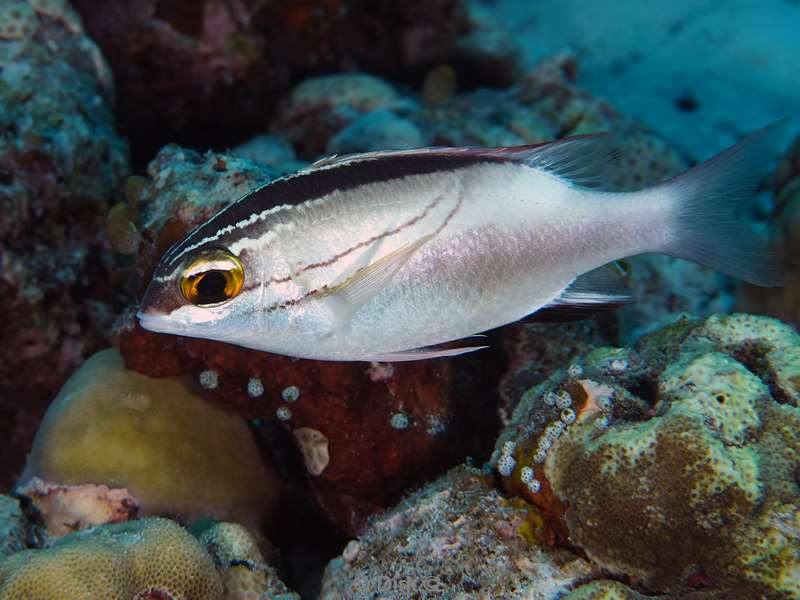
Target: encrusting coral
151,559
157,443
674,462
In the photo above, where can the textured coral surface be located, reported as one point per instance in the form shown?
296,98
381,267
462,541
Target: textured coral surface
151,558
672,463
207,72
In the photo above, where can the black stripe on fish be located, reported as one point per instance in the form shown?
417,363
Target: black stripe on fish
316,183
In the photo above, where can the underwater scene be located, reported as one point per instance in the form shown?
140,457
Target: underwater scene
399,300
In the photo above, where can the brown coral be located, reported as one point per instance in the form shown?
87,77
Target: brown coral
152,558
678,467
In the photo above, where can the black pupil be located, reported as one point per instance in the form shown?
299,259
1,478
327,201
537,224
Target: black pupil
211,287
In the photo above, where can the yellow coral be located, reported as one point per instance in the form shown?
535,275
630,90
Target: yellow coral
244,572
178,454
140,559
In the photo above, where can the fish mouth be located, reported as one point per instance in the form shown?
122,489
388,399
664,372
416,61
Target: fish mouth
158,322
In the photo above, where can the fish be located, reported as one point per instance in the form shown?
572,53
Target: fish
386,256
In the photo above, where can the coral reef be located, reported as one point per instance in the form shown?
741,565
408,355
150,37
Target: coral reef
159,446
455,538
536,350
60,164
672,463
205,73
14,528
339,412
151,559
318,109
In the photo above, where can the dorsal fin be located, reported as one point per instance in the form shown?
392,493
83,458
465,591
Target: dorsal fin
581,159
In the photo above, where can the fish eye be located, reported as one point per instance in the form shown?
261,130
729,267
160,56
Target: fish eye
211,278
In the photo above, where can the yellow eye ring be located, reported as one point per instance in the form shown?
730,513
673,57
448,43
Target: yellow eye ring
211,278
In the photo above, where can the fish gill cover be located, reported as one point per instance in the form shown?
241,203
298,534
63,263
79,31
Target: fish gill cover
651,451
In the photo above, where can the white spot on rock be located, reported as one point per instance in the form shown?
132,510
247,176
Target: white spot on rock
314,448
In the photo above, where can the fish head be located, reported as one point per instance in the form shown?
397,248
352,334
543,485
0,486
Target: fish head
196,296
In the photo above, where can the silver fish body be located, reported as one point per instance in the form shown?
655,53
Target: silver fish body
380,256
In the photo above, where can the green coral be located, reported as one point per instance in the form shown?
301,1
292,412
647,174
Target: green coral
701,481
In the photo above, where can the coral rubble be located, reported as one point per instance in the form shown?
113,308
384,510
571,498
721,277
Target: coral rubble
60,164
674,462
455,538
116,443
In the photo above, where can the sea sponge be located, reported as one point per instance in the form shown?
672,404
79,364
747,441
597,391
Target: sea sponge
176,453
151,558
679,469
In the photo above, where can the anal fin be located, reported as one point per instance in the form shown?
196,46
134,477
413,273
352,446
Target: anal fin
597,291
422,353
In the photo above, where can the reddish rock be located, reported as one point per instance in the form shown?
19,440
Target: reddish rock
373,458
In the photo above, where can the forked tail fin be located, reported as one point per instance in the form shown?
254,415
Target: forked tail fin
710,221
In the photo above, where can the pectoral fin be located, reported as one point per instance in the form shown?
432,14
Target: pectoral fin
347,297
